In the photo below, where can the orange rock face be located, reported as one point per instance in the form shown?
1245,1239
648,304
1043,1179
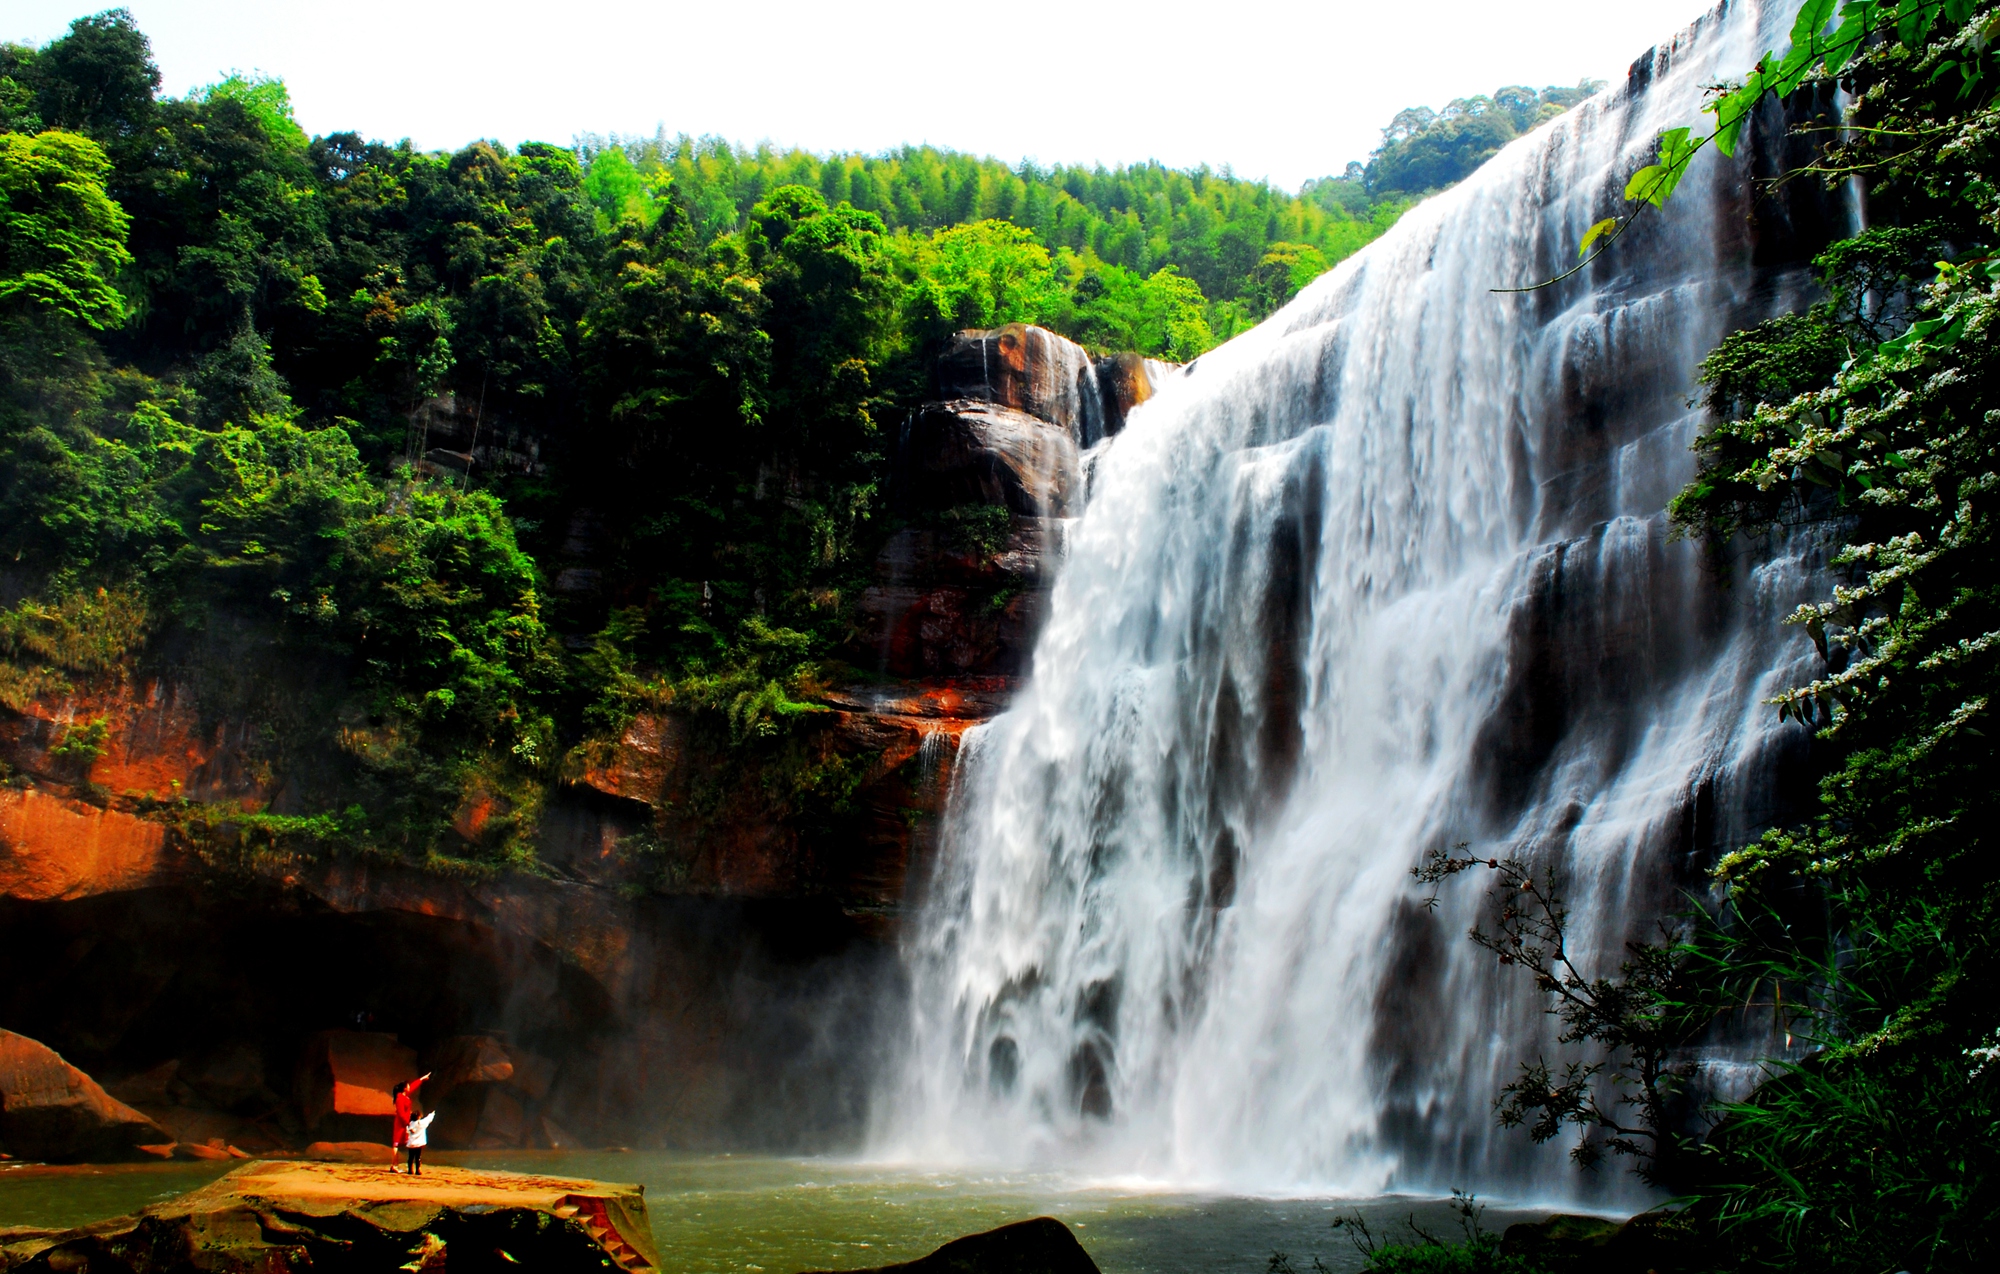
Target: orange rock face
156,747
905,734
52,847
352,1073
50,1110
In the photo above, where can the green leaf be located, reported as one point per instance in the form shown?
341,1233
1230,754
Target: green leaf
1645,183
1794,69
1655,182
1676,147
1812,19
1732,111
1603,227
1913,22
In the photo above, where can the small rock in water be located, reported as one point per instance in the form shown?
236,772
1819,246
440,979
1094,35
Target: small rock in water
1041,1246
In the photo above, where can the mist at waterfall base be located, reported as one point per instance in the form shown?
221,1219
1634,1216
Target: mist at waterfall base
1387,574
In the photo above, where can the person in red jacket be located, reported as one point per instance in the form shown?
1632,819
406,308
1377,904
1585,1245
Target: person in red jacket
406,1108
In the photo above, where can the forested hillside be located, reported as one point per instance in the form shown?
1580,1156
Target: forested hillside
221,341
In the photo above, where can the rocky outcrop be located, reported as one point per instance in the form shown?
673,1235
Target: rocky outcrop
985,475
944,606
1041,1246
267,1217
53,846
1055,380
894,744
1649,1243
695,933
456,437
1016,408
53,1112
352,1073
964,452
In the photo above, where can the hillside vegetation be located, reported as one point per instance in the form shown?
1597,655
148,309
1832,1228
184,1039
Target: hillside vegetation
219,338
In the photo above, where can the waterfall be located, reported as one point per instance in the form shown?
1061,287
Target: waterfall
1389,572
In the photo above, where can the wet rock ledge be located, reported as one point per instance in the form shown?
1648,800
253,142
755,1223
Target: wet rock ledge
273,1217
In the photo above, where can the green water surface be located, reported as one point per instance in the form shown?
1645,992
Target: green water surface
727,1214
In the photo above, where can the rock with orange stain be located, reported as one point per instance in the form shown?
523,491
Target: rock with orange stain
644,764
941,608
52,848
51,1111
475,811
352,1073
1034,371
906,735
156,746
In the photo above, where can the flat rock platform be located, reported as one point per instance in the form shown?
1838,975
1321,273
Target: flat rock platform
277,1217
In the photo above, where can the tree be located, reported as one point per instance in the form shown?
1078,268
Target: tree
827,272
99,79
982,275
1284,269
62,239
615,188
1424,150
267,100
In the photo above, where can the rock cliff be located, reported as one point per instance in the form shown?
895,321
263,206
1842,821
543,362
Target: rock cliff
690,941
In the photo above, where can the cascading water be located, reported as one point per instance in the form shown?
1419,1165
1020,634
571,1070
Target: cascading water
1388,573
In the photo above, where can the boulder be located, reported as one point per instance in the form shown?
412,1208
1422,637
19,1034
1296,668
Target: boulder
1028,369
1041,1246
352,1073
468,1059
1032,370
230,1077
503,1120
533,1075
50,1110
155,1087
208,1127
202,1150
1566,1243
642,766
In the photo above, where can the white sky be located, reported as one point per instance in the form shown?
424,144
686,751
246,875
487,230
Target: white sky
1280,90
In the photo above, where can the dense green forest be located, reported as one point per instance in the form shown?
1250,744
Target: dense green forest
218,336
1246,245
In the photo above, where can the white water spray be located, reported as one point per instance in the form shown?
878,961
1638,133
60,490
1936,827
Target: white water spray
1388,573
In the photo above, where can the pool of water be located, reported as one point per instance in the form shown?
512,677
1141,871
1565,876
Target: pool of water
729,1214
59,1197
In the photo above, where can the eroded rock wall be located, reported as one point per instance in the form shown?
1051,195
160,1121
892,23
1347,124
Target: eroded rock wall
699,959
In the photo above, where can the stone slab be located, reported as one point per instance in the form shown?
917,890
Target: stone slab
293,1216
